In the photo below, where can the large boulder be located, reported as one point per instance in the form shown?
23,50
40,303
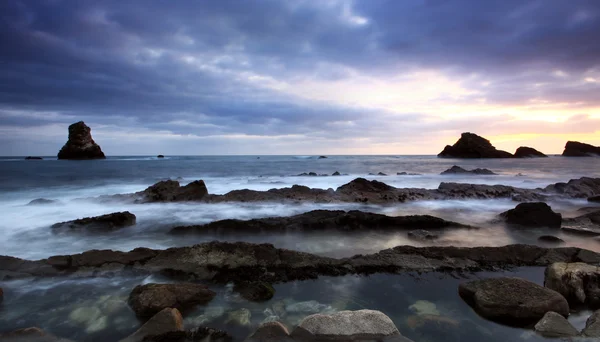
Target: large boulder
104,223
164,321
346,326
528,152
592,325
80,144
578,282
512,301
577,149
473,146
555,325
147,300
535,214
457,170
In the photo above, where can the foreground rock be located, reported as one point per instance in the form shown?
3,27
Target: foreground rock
473,146
224,262
346,326
32,334
200,334
555,325
457,170
147,300
528,152
512,301
167,320
592,326
578,282
104,223
322,220
577,149
80,144
536,214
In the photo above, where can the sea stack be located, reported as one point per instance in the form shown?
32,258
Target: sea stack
528,152
80,144
577,149
471,145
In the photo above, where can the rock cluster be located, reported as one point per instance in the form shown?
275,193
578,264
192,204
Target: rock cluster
473,146
577,149
528,152
454,170
103,223
80,144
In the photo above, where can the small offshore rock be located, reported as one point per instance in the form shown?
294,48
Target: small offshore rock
1,295
255,291
33,158
592,325
337,173
422,235
160,156
528,152
454,170
555,325
381,174
108,222
147,300
165,321
80,144
578,282
41,201
322,157
471,145
534,214
270,332
550,239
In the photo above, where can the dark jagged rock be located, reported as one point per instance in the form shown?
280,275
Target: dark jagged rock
80,144
160,156
32,334
255,291
33,158
336,174
104,223
577,149
200,334
536,214
528,152
41,201
422,235
171,191
595,199
583,187
578,282
147,300
164,321
513,301
550,239
459,170
473,146
321,220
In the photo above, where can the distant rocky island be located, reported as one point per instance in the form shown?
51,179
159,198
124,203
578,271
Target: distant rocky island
577,149
80,144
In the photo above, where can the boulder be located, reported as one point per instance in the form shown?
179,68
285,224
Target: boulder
270,332
512,301
595,199
577,149
80,144
147,300
422,235
454,170
534,214
473,146
346,326
578,282
550,239
555,325
160,156
256,291
104,223
200,334
164,321
528,152
32,334
33,158
172,191
592,325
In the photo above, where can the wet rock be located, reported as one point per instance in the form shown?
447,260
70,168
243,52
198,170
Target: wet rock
578,282
160,156
528,152
91,317
422,235
512,301
457,170
577,149
269,332
80,144
200,334
33,158
321,220
239,317
536,214
166,320
32,334
594,199
473,146
256,291
41,201
147,300
171,191
550,239
555,325
307,307
104,223
592,325
346,325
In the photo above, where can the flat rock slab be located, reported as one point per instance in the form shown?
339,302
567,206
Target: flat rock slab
578,282
147,300
512,301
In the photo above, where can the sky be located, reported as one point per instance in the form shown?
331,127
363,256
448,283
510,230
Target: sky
298,76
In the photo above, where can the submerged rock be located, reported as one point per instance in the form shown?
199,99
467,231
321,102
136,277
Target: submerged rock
200,334
104,223
424,307
512,301
239,317
422,235
536,214
459,170
80,144
166,320
147,300
528,152
473,146
256,291
555,325
592,325
577,149
578,282
32,334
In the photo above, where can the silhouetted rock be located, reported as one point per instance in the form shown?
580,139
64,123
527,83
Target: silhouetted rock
555,325
578,282
528,152
473,146
41,201
550,239
147,300
577,149
594,199
381,174
108,222
536,214
33,158
454,170
513,301
171,191
166,320
160,156
80,144
1,295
